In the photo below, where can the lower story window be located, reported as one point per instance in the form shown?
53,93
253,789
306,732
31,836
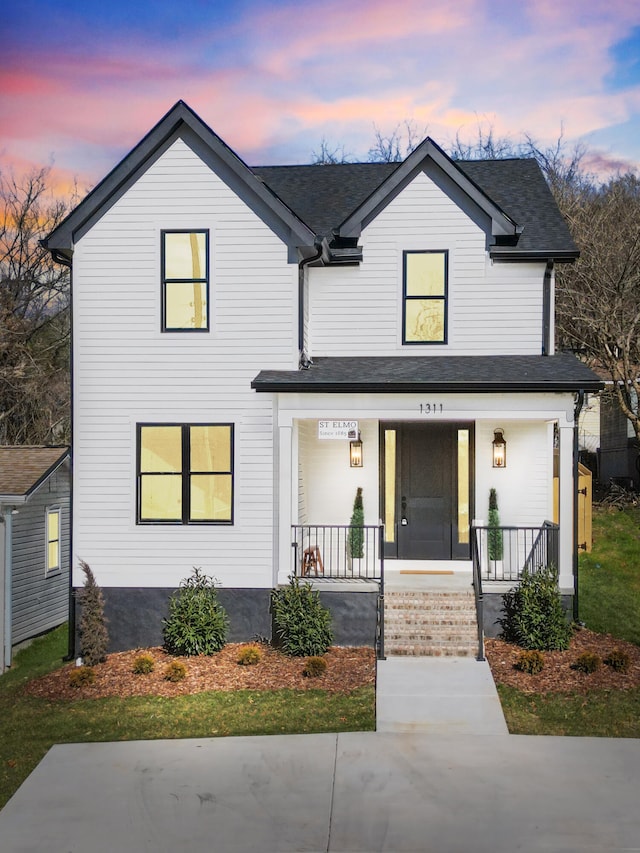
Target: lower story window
185,473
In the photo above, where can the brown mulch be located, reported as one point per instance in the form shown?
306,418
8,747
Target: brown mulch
557,675
347,669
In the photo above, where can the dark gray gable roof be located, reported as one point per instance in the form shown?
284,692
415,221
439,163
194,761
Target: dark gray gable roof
323,196
519,186
300,202
444,374
180,122
326,196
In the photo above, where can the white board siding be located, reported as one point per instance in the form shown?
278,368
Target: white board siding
126,372
493,308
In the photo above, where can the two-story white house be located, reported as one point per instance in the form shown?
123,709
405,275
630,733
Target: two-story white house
252,345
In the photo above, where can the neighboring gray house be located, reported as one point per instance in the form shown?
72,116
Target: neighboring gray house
35,485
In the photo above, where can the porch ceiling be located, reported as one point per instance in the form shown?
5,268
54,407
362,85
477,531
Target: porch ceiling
446,374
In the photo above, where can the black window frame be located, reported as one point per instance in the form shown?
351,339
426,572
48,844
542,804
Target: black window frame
164,280
185,474
443,297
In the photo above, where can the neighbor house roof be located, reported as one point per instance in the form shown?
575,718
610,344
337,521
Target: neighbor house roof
445,374
303,204
23,469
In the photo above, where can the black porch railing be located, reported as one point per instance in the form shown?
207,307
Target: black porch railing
342,552
502,554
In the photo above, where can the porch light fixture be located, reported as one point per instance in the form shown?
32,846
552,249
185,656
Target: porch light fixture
355,453
499,449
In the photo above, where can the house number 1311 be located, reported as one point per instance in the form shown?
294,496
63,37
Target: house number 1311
430,408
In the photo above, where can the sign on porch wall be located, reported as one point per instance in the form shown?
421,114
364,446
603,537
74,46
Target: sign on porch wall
338,429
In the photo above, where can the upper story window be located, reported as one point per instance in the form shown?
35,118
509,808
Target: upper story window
185,281
424,314
52,562
185,473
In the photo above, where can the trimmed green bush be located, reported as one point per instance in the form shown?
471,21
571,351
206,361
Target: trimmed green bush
249,655
355,539
531,661
94,638
143,665
314,667
618,660
534,617
494,534
587,662
197,624
302,625
175,671
81,675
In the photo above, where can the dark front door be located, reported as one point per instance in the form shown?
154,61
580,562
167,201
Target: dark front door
426,491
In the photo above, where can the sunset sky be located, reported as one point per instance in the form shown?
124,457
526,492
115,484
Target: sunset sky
82,82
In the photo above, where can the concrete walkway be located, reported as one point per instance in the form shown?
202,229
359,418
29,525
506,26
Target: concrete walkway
443,695
338,793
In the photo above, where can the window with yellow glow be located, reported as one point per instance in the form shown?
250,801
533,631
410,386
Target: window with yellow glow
185,473
53,540
425,297
185,281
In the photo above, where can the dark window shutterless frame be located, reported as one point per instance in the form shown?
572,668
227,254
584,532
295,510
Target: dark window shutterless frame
425,283
185,280
173,486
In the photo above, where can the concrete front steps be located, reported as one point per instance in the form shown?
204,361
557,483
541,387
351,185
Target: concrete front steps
430,622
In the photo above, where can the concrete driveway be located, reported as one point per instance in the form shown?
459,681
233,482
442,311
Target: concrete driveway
349,792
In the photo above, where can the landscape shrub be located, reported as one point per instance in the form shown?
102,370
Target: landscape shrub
618,660
81,675
355,538
587,662
94,637
534,617
197,623
143,665
249,655
314,667
175,671
302,625
531,661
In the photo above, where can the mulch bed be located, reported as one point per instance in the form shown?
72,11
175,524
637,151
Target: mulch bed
558,675
347,669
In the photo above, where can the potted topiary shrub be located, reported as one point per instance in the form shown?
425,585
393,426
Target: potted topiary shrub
355,537
495,543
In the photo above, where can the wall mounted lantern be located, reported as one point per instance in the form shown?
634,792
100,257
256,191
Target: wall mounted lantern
499,449
355,453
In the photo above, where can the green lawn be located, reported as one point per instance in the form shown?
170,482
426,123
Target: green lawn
609,602
30,726
609,598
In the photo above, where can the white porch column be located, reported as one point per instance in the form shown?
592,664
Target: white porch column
566,494
285,515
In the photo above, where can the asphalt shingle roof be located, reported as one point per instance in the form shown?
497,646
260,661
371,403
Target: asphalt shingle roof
324,196
23,468
446,374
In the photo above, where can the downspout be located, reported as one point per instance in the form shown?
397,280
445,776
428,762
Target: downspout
7,514
576,416
547,309
305,361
